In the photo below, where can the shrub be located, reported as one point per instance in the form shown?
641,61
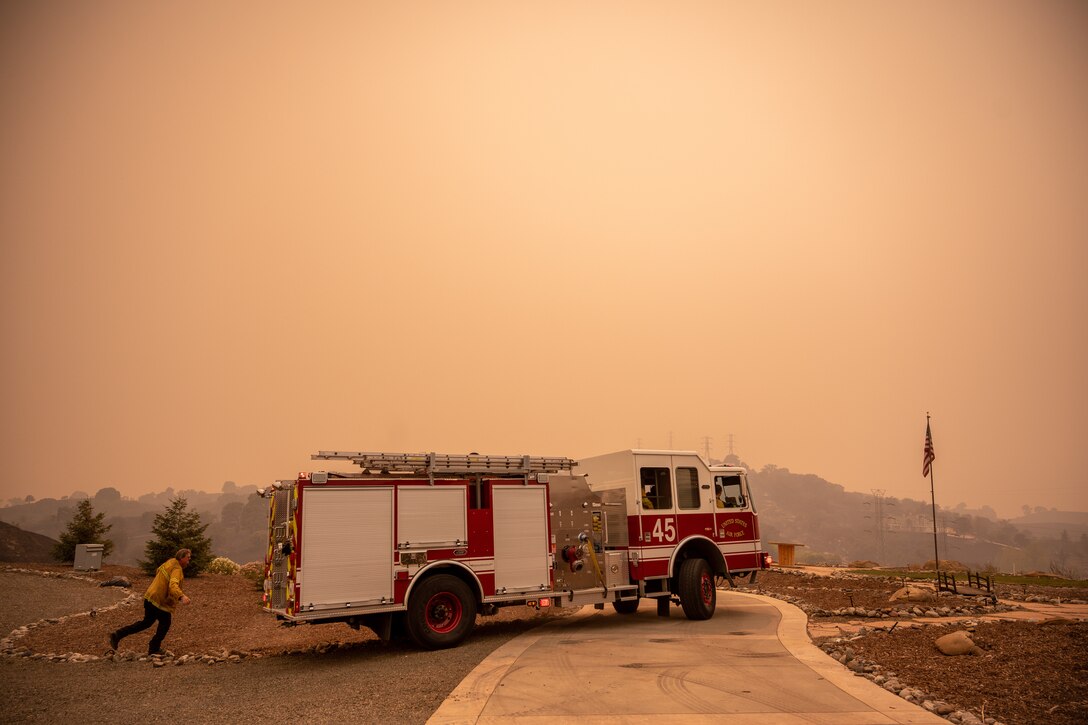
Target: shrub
222,565
254,571
950,565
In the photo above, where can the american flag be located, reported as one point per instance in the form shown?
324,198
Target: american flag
927,454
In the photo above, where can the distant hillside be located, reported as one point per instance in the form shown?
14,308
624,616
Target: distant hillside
1060,525
838,526
17,545
1075,518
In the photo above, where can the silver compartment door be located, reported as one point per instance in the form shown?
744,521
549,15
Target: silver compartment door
347,546
431,516
521,539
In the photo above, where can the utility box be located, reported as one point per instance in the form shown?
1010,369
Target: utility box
88,556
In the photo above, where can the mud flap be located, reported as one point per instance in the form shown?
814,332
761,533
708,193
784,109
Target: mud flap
380,624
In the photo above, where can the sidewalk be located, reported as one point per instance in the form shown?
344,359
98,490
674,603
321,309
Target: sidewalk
753,662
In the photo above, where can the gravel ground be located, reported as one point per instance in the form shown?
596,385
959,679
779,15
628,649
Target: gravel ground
372,683
25,598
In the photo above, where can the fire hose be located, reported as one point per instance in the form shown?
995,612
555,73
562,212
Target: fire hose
593,558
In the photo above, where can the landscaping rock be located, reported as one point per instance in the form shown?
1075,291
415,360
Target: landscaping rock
957,643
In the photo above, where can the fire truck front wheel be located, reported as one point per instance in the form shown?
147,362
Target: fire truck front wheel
698,595
441,612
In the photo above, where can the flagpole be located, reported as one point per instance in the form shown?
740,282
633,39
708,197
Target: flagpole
933,501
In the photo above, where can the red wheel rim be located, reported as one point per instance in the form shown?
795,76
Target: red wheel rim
443,612
706,586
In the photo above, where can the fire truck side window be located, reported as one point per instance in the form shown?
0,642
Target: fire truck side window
729,491
687,488
656,488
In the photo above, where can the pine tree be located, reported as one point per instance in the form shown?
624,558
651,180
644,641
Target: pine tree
177,528
86,527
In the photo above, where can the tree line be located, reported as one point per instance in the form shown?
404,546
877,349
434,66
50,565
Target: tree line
235,520
174,529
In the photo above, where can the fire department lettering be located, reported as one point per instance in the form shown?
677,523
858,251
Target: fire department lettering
665,529
734,534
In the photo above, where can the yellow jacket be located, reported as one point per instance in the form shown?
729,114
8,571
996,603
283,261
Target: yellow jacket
165,590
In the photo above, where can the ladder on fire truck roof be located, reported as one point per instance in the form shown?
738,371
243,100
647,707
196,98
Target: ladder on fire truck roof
432,464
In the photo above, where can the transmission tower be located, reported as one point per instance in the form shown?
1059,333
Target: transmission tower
878,518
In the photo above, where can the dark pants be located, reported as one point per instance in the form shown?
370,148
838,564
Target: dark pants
152,614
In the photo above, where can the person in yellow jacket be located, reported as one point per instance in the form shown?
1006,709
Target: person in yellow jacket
159,602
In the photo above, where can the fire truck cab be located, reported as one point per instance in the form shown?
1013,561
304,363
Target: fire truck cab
419,544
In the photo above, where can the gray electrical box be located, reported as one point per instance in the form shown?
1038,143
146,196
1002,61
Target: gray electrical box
88,556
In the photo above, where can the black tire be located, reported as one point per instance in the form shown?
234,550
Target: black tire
698,596
441,612
626,606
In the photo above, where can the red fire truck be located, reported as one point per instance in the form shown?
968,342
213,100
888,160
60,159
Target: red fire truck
421,543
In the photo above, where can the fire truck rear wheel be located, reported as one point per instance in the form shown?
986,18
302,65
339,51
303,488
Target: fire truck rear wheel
698,596
626,606
441,612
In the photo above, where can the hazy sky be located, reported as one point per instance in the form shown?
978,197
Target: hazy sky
237,233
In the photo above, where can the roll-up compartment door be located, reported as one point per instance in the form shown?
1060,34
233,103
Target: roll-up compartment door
431,516
521,538
347,546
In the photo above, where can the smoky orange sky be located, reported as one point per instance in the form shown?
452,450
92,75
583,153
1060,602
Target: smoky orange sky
237,233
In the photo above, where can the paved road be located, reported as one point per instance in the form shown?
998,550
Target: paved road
752,662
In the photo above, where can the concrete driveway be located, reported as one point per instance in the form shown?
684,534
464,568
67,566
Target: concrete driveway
752,663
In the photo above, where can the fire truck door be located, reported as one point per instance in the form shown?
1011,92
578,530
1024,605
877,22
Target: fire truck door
347,546
521,538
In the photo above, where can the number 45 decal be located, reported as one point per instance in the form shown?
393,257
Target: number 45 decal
665,529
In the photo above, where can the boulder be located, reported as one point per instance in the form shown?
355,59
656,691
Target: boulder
117,581
913,594
957,643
